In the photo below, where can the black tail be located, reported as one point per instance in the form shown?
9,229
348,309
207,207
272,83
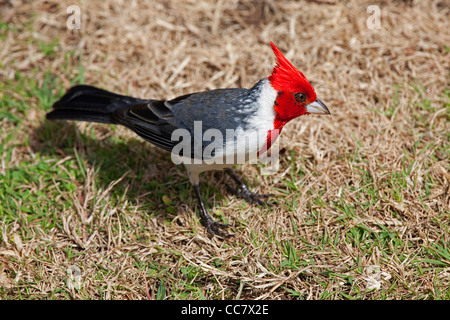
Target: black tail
87,103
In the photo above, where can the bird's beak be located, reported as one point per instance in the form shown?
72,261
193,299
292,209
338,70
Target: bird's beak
317,107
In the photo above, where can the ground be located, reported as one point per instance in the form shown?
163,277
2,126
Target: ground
90,211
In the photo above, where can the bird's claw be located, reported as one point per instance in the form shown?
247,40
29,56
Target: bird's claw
249,196
214,228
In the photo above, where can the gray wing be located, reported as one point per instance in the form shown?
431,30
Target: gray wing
217,109
156,120
152,120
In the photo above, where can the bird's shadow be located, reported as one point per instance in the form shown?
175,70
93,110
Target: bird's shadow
151,174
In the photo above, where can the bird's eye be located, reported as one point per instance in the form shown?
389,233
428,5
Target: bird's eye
300,97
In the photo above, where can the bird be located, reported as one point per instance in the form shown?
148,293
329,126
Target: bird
184,125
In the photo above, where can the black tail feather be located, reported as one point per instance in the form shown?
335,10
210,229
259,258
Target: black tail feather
87,103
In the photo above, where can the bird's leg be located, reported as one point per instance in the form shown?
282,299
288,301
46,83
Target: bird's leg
243,191
213,227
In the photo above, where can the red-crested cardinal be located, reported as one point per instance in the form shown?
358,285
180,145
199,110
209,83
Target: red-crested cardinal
258,114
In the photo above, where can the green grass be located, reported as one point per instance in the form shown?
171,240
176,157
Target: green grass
58,208
34,191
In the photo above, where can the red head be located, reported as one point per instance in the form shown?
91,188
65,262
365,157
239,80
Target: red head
296,96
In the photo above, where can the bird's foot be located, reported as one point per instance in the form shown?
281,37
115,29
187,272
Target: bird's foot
244,192
214,228
249,196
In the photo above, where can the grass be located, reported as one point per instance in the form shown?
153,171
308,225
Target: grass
356,200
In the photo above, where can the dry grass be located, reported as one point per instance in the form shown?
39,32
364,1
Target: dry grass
363,196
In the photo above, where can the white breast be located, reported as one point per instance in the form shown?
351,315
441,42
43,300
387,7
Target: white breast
251,140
